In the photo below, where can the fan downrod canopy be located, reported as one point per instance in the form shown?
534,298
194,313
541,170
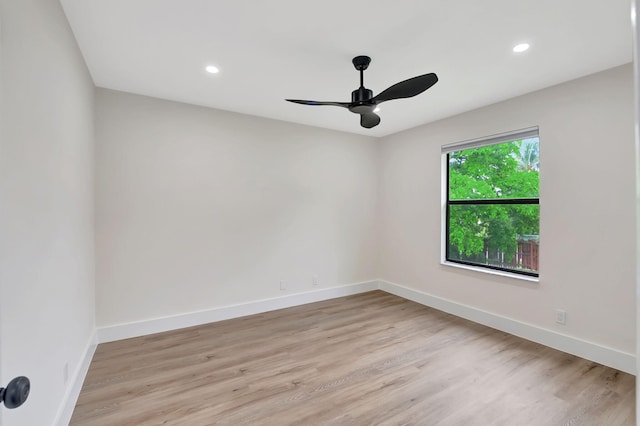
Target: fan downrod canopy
361,62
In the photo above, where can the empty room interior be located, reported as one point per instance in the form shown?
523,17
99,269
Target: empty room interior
318,213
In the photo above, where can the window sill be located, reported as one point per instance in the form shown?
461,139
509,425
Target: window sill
491,271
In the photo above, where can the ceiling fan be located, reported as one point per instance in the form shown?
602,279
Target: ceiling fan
364,103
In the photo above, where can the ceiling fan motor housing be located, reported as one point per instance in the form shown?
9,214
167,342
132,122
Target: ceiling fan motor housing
360,97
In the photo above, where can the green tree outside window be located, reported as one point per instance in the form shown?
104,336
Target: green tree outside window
493,210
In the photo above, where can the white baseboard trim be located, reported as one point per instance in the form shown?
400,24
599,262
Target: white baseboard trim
604,355
601,354
75,385
158,325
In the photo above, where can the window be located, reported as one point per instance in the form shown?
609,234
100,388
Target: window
492,206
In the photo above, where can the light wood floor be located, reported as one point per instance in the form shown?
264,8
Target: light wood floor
369,359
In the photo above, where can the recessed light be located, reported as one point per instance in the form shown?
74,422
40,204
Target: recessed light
377,109
521,47
212,69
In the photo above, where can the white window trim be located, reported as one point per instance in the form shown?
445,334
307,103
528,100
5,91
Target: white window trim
475,143
490,271
515,135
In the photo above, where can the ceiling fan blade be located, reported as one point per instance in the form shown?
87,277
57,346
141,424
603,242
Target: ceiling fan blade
299,101
369,120
408,88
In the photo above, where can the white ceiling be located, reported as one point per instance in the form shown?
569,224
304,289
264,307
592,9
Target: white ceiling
271,50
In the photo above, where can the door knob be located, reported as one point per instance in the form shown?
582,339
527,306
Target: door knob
16,392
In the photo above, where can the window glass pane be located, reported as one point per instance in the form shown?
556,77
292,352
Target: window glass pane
503,236
505,170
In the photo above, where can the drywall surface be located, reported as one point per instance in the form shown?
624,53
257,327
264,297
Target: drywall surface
636,79
199,208
587,210
1,136
47,312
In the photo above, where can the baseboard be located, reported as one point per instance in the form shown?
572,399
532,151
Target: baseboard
158,325
604,355
601,354
73,390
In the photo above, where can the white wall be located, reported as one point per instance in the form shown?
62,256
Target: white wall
46,205
2,384
636,68
199,208
587,223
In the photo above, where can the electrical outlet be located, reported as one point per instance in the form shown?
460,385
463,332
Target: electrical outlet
283,285
561,316
315,280
65,372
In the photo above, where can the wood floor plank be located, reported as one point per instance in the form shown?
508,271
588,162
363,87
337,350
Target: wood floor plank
368,359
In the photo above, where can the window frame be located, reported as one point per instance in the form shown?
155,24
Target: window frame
532,132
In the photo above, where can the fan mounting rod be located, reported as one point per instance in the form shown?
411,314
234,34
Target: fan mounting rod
361,63
361,95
